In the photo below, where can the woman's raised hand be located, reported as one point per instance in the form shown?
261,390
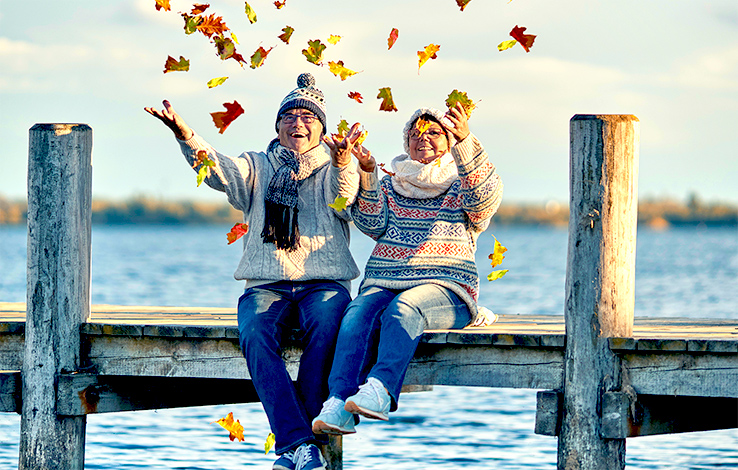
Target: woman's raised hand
172,120
365,159
457,116
341,149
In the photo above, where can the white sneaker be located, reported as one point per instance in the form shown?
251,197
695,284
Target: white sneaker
334,419
308,457
372,400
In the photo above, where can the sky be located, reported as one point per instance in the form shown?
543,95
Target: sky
671,63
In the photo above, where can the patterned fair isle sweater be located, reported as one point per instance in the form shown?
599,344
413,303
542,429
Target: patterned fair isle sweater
430,240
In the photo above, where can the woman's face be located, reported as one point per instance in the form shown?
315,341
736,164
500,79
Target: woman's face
429,145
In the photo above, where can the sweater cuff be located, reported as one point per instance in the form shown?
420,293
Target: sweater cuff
465,151
368,181
193,143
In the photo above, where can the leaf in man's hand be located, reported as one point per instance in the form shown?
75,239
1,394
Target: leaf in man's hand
457,96
343,129
498,254
223,119
362,137
234,427
338,69
238,231
163,4
356,96
339,204
394,34
314,52
428,53
257,59
525,40
286,34
495,275
172,65
387,104
250,13
214,82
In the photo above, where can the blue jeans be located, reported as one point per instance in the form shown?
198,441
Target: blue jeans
267,315
386,324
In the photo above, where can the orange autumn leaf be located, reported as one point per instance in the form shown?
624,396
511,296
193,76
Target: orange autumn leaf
172,65
462,3
428,53
286,34
394,34
199,8
280,5
333,39
339,70
224,119
234,428
388,104
525,40
422,125
381,167
238,231
354,95
163,4
314,52
212,24
257,59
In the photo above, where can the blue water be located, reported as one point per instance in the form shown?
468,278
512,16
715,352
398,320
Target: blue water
686,272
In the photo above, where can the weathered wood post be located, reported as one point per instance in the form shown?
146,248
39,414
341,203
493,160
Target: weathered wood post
58,296
600,280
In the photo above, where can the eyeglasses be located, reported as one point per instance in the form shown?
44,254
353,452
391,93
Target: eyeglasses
305,118
433,134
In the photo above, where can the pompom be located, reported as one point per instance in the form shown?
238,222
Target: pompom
305,80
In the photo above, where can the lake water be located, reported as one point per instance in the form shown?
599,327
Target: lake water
686,272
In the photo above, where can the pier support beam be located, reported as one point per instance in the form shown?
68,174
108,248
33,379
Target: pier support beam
600,280
58,296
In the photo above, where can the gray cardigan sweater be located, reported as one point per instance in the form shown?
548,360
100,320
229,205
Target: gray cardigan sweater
323,251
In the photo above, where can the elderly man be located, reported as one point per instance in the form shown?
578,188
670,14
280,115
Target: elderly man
296,260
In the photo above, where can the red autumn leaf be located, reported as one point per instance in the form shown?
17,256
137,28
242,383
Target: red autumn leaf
381,167
172,65
199,8
525,40
280,5
238,231
286,34
394,34
462,3
224,119
257,60
163,4
428,53
355,95
212,25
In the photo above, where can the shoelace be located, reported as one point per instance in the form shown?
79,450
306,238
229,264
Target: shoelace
331,405
375,386
302,456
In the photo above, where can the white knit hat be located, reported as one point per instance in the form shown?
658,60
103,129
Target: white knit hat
410,125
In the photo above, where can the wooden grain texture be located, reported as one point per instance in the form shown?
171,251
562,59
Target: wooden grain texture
58,286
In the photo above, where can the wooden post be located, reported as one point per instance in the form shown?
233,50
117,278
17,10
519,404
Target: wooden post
58,297
600,279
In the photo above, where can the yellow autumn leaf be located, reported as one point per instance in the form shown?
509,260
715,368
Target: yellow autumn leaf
422,125
428,53
234,427
333,39
505,45
269,443
457,96
339,70
214,82
495,275
362,137
339,203
498,254
250,13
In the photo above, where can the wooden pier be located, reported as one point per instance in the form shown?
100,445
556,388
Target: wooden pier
602,376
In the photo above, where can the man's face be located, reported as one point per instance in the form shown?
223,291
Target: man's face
300,130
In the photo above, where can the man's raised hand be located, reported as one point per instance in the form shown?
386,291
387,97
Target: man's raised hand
172,120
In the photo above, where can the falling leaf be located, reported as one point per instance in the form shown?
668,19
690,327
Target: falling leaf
280,5
214,82
428,53
286,34
525,40
233,36
226,49
381,167
224,119
205,162
339,204
505,45
362,137
457,96
250,13
191,23
394,34
163,4
198,8
343,129
339,70
462,3
388,104
171,65
234,428
238,231
495,275
354,95
333,39
498,254
422,125
271,438
212,24
314,52
257,60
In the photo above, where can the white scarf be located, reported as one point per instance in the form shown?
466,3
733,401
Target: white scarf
423,180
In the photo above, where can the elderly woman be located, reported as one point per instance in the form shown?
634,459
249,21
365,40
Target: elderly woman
296,260
426,218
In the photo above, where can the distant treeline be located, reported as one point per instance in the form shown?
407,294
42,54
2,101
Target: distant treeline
661,213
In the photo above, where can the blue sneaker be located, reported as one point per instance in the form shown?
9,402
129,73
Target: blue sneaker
333,419
308,457
285,461
372,400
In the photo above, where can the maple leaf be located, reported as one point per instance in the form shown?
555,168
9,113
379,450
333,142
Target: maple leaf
505,45
163,4
280,5
199,8
388,104
257,60
314,52
428,53
525,40
205,162
381,167
212,24
498,255
238,231
234,428
339,70
422,125
355,95
495,275
191,23
343,129
214,82
462,3
339,203
171,65
224,119
271,439
250,13
333,39
286,34
394,34
457,96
